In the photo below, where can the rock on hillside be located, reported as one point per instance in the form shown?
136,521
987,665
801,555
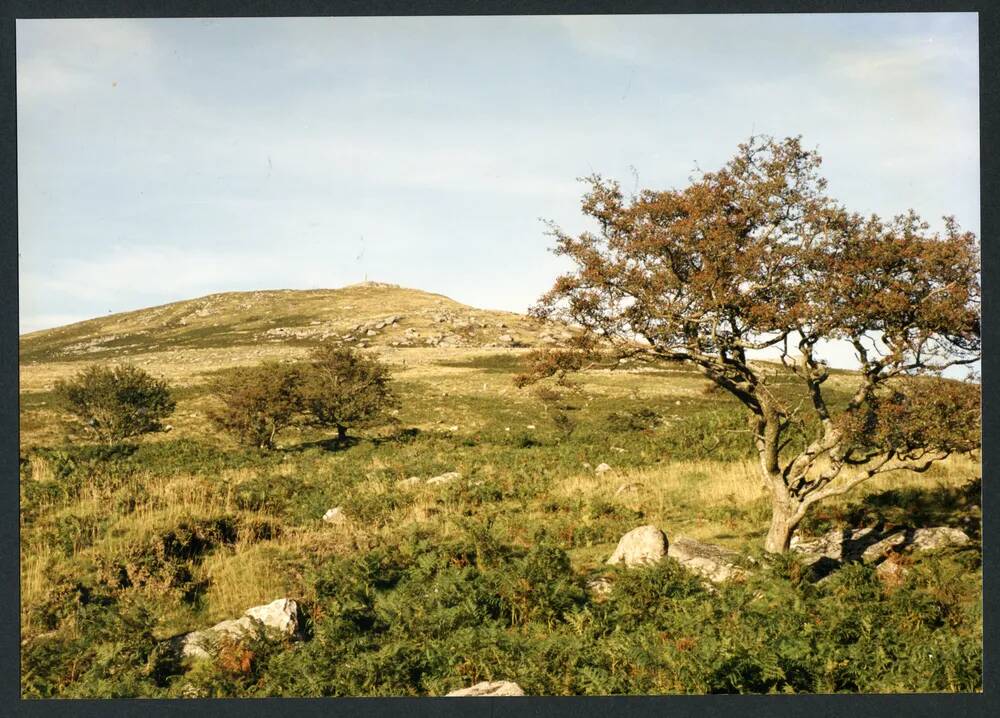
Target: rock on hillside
362,315
715,563
872,545
640,546
489,688
281,615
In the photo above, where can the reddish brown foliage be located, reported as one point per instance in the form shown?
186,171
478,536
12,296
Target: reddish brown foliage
756,256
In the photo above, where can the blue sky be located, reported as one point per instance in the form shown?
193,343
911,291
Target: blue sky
161,160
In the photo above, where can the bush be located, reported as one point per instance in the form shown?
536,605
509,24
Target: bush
115,403
639,420
343,388
257,402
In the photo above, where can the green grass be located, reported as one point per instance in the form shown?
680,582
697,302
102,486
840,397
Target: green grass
429,589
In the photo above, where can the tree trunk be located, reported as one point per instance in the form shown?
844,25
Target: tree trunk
783,524
341,432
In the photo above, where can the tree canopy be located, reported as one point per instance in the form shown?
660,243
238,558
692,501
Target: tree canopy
343,388
255,403
756,256
116,403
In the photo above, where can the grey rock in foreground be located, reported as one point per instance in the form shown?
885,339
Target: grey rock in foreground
335,516
713,562
489,688
870,545
647,545
601,587
445,478
938,537
825,554
281,615
640,546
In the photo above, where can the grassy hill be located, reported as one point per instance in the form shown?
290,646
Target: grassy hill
425,589
290,318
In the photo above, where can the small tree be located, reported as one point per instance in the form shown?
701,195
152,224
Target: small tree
255,403
343,388
115,403
755,256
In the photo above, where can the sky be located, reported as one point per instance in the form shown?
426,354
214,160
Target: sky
161,160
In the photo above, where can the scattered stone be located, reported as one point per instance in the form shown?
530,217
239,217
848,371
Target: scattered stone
489,688
640,546
879,549
715,563
602,469
506,338
371,333
938,537
281,615
601,586
870,545
835,545
168,427
445,478
619,449
335,515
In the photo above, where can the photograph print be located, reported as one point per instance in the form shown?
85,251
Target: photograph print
499,356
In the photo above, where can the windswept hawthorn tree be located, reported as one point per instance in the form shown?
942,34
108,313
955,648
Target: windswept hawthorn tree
755,256
343,388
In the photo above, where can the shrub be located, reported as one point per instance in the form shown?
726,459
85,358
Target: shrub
343,388
257,402
638,420
115,403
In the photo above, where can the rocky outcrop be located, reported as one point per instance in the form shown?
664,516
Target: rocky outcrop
871,544
489,688
281,615
713,562
445,478
640,546
938,537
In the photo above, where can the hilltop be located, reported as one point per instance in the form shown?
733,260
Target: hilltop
369,314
